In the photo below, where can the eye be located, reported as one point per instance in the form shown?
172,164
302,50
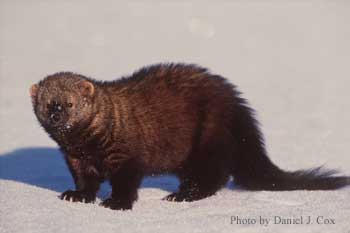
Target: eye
70,105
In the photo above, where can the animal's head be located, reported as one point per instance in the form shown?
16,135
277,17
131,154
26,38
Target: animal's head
63,101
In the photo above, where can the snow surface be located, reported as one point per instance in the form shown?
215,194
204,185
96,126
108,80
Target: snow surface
291,59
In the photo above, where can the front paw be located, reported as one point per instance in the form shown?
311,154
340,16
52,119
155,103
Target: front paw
78,196
115,204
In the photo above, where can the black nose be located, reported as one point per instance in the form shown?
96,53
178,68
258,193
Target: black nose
55,117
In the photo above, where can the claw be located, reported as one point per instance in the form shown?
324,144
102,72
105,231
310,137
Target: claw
77,196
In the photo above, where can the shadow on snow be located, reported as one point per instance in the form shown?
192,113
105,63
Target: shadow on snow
45,167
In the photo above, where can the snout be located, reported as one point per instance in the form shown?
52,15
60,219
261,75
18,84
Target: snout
55,118
55,113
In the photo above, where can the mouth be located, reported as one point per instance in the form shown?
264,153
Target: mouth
61,130
67,126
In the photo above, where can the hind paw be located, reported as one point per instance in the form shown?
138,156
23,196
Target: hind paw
177,197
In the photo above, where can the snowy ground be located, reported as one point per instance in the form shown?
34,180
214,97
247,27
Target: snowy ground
291,59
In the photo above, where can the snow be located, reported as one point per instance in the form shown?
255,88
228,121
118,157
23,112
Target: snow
290,59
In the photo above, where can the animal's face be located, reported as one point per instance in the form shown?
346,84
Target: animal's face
63,102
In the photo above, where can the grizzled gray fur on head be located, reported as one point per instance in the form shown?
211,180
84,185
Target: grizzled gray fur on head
63,101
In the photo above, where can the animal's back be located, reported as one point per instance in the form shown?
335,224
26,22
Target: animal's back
168,109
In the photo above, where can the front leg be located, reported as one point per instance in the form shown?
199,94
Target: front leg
125,182
86,179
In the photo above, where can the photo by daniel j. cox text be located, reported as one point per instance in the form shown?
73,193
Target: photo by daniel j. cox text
282,220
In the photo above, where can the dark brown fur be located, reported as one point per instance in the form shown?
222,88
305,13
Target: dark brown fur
173,118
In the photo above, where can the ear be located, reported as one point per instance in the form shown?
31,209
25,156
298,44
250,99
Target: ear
34,91
86,88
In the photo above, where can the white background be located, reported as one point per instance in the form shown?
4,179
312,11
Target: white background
289,58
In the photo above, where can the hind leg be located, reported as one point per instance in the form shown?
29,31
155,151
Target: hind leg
207,168
203,175
199,182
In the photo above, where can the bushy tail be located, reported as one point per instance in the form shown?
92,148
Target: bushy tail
252,169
